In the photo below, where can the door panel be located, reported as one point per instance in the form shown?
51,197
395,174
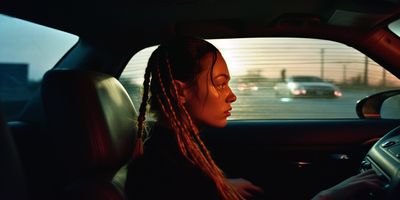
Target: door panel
294,159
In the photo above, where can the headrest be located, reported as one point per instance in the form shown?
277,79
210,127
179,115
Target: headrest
92,120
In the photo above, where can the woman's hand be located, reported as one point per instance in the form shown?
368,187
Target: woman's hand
246,188
368,181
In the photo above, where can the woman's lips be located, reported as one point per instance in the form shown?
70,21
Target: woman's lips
228,113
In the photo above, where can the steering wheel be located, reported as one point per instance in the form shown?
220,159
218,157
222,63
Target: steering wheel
384,159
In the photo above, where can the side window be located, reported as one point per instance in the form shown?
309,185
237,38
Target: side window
391,108
27,51
288,78
133,76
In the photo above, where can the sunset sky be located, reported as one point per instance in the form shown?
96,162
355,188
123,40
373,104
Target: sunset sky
298,56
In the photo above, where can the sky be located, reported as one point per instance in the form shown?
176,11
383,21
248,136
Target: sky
39,46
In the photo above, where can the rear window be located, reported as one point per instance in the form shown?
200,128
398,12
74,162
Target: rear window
27,51
287,78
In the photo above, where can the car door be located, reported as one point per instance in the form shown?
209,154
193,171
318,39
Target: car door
294,159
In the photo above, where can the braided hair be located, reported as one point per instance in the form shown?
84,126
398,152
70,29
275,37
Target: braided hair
179,59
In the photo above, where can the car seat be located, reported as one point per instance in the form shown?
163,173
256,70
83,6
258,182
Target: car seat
12,182
92,120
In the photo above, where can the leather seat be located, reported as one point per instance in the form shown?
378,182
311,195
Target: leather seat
92,120
12,181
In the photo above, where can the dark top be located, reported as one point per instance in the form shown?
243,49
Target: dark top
163,173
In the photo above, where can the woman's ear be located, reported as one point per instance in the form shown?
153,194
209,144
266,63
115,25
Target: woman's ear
183,91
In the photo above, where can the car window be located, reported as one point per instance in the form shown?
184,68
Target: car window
395,27
391,108
287,78
27,51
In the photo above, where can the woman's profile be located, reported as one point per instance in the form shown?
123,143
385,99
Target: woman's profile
187,87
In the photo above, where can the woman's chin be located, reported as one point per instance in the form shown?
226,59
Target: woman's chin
220,124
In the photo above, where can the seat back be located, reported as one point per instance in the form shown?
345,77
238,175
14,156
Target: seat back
12,181
92,120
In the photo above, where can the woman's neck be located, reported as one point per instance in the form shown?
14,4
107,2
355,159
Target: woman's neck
165,123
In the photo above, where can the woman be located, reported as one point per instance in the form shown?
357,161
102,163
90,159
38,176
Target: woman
188,80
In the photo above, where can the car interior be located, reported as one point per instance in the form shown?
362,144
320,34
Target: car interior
73,134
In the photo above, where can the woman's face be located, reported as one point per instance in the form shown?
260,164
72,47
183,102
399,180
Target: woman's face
210,103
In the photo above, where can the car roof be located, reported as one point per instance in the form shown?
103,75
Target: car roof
149,21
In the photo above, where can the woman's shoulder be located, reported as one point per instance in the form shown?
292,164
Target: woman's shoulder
162,170
150,178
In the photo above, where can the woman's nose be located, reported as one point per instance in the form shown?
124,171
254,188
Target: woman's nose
231,96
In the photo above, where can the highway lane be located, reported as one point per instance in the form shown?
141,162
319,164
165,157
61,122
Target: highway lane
264,104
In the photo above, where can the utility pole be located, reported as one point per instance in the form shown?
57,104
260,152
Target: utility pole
366,71
344,74
322,63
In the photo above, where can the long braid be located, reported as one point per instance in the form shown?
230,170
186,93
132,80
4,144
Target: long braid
186,140
190,139
174,115
138,149
183,135
174,126
175,122
208,165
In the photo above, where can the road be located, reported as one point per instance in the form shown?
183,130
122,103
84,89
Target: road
264,104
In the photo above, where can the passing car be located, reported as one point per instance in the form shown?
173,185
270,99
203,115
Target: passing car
70,103
306,86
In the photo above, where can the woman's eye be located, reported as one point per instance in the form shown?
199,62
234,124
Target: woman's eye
222,86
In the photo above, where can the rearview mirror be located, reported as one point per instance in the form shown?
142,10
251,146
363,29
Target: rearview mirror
370,107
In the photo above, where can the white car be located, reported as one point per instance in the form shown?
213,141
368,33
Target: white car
306,86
